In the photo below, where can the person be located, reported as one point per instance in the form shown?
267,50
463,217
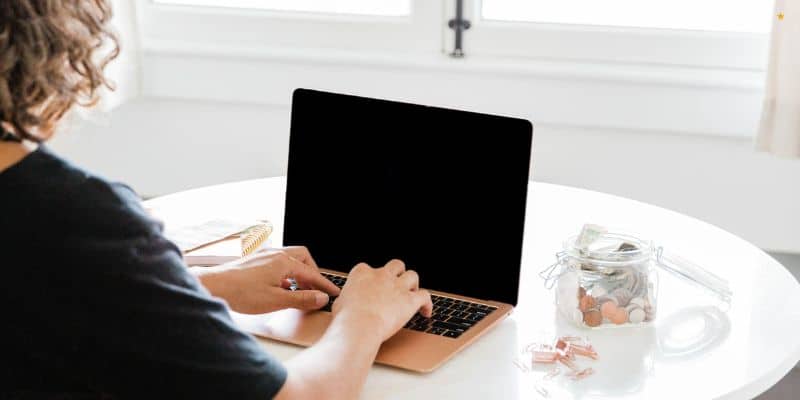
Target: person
98,304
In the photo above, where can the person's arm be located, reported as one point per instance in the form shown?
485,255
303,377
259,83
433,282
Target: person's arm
336,366
373,306
139,326
257,284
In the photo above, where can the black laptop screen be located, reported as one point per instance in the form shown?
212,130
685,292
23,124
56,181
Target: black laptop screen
443,190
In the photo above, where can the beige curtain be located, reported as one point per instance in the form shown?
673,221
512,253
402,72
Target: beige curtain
779,130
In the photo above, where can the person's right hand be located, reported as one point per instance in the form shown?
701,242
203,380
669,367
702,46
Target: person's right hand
382,299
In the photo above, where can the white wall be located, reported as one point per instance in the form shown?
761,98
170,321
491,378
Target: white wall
160,146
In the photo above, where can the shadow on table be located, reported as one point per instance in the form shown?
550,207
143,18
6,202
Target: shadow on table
690,332
628,355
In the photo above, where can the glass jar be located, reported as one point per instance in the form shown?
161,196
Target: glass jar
611,279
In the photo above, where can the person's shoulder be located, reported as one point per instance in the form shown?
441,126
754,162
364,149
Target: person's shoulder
57,194
66,215
113,206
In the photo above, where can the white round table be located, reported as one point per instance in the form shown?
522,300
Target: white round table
692,351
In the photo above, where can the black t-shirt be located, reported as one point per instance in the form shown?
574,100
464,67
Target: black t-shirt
98,304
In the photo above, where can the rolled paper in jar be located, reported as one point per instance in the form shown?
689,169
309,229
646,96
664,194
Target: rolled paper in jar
599,291
641,287
631,307
650,313
637,301
633,282
623,296
590,233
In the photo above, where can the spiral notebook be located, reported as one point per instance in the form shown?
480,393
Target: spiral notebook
219,241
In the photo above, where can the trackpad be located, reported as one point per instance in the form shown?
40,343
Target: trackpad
293,326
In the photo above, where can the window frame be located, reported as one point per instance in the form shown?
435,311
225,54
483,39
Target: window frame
258,28
557,91
425,32
610,44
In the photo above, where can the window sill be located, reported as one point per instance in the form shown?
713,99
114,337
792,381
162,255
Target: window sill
723,102
735,79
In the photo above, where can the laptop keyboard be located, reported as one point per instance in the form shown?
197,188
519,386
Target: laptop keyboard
451,317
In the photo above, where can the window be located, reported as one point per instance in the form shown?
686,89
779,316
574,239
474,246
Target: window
649,67
355,7
728,34
263,26
703,15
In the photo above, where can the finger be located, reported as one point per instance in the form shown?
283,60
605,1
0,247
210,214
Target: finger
410,280
360,267
423,298
395,267
309,277
302,254
304,299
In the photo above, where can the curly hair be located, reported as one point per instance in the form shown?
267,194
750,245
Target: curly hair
50,61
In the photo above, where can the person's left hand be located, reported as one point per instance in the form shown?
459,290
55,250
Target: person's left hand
259,283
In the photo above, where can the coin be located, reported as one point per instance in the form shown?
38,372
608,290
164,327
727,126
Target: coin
608,309
592,318
636,315
620,317
587,303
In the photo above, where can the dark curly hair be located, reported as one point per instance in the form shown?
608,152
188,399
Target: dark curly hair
49,61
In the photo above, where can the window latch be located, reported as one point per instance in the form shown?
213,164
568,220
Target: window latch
459,25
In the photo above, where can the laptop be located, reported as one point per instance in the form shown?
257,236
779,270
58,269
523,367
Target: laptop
443,190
